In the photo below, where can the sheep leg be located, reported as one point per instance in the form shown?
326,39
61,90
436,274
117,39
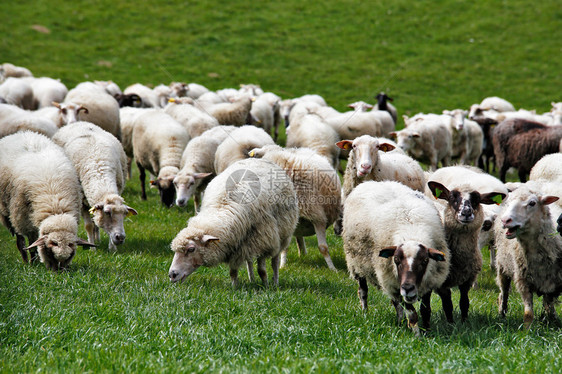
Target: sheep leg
20,243
522,175
503,171
88,224
399,310
464,302
363,292
262,272
275,268
320,230
129,169
527,298
196,202
300,245
492,257
549,309
284,257
234,277
250,267
445,295
142,177
412,318
505,284
425,310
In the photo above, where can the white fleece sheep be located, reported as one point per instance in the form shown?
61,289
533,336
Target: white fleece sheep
491,103
287,105
529,251
103,109
110,87
385,117
197,165
238,144
127,120
14,119
548,168
248,212
62,114
467,137
10,70
459,187
40,198
46,90
158,144
236,113
195,90
393,239
195,120
150,99
101,165
318,191
17,92
352,124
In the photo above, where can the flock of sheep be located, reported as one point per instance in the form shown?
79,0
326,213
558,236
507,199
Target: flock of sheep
68,153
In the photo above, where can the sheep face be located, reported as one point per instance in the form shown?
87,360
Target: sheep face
406,139
69,112
366,153
56,249
464,203
458,116
166,189
110,217
522,208
411,260
188,255
186,184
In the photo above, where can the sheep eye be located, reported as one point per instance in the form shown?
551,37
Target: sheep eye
55,244
64,111
532,203
190,249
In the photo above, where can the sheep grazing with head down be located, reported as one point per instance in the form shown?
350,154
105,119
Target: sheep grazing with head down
235,113
46,90
17,92
10,70
318,191
249,212
393,238
101,165
462,218
528,253
14,119
40,198
195,121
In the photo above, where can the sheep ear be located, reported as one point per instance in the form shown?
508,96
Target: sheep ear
416,135
201,175
154,183
55,104
436,255
438,190
387,252
131,211
345,144
386,147
81,107
448,112
96,207
492,198
547,200
206,239
84,243
37,243
392,134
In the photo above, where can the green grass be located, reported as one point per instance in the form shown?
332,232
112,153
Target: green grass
117,312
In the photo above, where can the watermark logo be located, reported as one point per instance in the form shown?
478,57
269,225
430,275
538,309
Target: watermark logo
243,186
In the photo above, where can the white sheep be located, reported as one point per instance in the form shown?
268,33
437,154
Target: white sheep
10,70
467,137
103,109
493,103
265,113
62,113
351,124
46,90
197,165
287,105
101,165
386,119
195,120
238,144
17,92
150,99
110,87
527,252
236,113
248,212
393,239
195,90
158,144
318,191
463,216
14,119
40,198
127,120
548,168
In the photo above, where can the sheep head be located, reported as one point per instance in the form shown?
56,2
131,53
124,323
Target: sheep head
188,254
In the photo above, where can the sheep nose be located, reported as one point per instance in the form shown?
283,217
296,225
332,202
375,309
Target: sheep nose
180,202
366,166
173,275
506,221
408,287
466,211
119,238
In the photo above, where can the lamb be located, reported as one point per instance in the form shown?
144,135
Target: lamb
40,198
195,121
46,90
428,140
103,109
197,165
468,137
238,144
14,119
462,219
249,211
528,253
10,70
318,190
385,220
17,92
520,143
158,144
235,113
310,131
367,163
101,164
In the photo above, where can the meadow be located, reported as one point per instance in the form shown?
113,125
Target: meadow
118,312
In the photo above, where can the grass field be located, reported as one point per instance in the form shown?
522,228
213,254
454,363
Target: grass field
118,312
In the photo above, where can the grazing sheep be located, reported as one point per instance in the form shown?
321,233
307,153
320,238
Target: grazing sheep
110,87
383,104
197,165
520,143
486,236
150,99
384,220
132,100
237,113
238,144
46,90
17,92
286,106
428,140
352,124
195,90
491,103
249,211
103,109
14,119
101,165
384,117
528,253
8,70
310,131
462,219
195,120
62,113
318,191
40,198
127,119
158,144
468,137
367,163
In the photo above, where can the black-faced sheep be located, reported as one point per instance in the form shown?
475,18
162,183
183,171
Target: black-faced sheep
383,104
